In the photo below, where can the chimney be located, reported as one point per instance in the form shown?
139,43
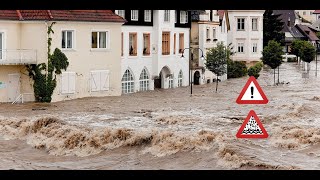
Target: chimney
288,23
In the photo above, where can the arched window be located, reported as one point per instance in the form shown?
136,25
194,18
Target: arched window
127,82
180,78
170,81
144,80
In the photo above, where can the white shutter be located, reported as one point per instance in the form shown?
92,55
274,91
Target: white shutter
95,81
104,74
64,83
72,82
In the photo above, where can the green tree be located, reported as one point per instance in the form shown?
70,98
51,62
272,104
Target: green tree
44,75
272,56
272,27
296,47
216,61
255,70
308,53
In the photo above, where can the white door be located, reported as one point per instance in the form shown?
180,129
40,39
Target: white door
13,87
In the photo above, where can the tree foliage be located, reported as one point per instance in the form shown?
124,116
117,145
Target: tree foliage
296,47
272,54
216,61
255,70
308,52
272,27
44,75
236,69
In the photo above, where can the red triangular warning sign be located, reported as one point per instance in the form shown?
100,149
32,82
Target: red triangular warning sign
252,127
252,93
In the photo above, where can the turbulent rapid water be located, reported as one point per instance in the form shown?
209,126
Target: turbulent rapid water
169,129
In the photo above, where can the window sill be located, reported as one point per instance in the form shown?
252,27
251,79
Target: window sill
241,30
255,30
146,56
99,50
68,50
132,57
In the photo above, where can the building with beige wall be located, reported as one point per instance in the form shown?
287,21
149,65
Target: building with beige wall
89,38
246,35
207,29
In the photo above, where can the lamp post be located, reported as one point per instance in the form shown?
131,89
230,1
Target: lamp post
317,45
190,60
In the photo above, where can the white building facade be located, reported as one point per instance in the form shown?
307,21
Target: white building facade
246,34
152,42
209,27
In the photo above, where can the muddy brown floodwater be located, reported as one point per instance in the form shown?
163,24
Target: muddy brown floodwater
169,129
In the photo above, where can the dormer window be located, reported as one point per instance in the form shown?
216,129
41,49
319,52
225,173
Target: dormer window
166,15
134,15
183,17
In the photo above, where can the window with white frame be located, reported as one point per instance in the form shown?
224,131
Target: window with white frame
100,39
180,76
166,15
213,33
132,44
67,39
170,81
183,17
254,47
121,13
240,47
68,82
181,42
304,12
1,45
99,80
127,82
310,12
240,24
144,80
254,24
146,44
208,34
147,15
134,15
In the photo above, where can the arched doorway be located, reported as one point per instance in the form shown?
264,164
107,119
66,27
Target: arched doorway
196,78
161,82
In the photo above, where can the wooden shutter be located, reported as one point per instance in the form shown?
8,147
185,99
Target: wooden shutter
95,81
104,77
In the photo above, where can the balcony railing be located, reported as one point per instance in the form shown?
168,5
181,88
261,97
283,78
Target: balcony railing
18,56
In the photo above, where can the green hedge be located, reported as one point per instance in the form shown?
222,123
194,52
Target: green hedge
236,69
255,70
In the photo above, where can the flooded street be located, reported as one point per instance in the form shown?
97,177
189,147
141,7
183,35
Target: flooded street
169,129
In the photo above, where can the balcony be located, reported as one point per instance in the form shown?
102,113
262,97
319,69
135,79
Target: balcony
18,56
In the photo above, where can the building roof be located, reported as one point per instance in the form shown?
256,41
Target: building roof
286,16
61,15
316,12
221,14
295,32
306,31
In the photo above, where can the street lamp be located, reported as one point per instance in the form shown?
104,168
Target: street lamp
190,59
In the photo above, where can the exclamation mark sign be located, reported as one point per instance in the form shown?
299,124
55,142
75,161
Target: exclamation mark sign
252,92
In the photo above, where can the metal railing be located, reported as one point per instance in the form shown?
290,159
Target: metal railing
18,56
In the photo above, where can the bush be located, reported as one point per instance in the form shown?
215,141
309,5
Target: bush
236,69
255,70
292,59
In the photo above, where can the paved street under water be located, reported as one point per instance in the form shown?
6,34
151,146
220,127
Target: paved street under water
169,129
